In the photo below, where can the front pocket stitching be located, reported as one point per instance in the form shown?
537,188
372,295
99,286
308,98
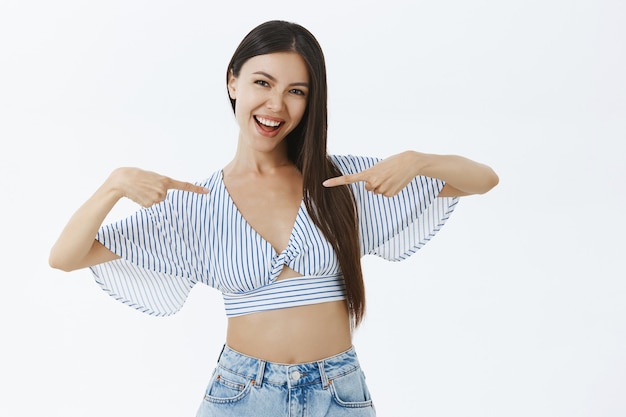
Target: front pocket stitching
243,393
347,404
230,384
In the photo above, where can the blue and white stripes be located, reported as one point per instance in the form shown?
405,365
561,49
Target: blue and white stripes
191,238
290,292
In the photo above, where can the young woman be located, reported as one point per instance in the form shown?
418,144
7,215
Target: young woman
279,231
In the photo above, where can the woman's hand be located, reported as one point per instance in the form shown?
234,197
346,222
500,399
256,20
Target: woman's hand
388,177
147,188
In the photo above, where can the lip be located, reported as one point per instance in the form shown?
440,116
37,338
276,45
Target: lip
266,133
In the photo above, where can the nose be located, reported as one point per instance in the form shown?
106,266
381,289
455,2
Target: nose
274,101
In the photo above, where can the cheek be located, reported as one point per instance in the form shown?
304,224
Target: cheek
298,111
242,105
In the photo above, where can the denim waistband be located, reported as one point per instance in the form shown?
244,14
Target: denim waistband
292,375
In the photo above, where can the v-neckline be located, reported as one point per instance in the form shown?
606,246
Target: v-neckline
248,225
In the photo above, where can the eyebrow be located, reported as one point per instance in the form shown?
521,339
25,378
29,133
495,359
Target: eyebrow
265,74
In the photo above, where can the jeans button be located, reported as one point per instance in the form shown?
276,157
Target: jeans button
295,375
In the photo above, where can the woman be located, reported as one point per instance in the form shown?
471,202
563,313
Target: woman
279,231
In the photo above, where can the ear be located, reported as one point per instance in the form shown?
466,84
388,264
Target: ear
232,85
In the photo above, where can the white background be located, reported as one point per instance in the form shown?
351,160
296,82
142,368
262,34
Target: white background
517,308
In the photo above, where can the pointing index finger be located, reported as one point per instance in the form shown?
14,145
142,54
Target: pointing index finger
342,180
187,186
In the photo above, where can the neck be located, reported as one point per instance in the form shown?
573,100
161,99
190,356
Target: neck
247,160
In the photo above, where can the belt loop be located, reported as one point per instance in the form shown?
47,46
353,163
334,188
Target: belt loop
320,365
258,382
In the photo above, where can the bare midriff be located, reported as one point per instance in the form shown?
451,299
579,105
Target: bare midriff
292,335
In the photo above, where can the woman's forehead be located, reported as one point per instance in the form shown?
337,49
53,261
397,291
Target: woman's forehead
278,65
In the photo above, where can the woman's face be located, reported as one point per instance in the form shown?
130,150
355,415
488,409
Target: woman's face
271,94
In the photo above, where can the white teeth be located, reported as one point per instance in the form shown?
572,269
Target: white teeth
266,122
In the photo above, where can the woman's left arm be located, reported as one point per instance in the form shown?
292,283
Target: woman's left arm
388,177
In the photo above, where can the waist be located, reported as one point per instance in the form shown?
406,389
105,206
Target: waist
261,371
292,335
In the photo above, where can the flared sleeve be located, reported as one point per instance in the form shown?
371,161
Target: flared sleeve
395,227
161,255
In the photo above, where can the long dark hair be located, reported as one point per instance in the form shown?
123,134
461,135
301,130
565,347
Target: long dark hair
331,209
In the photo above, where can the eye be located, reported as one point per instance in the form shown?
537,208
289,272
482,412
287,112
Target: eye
262,83
297,92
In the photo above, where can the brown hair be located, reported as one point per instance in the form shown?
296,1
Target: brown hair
331,209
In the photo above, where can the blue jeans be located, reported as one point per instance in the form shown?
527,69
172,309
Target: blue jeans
243,386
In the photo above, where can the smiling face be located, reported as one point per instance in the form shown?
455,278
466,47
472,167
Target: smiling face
271,97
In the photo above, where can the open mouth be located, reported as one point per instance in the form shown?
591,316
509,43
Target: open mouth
267,124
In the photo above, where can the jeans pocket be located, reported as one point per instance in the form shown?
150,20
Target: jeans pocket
227,387
350,390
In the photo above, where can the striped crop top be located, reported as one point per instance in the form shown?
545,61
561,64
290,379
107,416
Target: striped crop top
189,238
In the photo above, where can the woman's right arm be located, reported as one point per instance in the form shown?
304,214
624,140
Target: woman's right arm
76,247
